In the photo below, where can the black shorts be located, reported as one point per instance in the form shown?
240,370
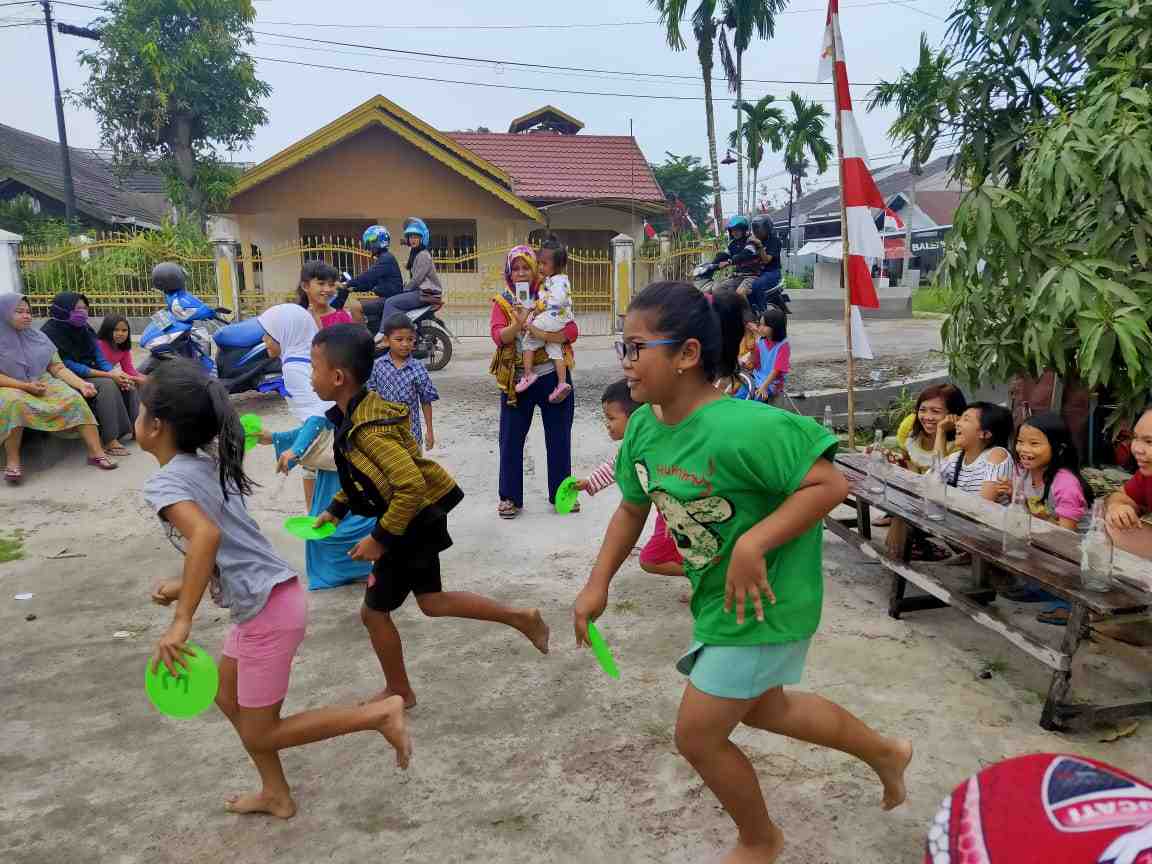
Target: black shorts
411,565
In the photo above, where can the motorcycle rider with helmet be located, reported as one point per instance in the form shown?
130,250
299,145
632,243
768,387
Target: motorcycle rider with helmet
423,287
743,253
383,278
762,293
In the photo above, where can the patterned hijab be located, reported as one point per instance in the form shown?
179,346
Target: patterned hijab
529,256
24,354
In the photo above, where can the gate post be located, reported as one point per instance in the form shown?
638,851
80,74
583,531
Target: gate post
222,233
623,277
9,265
665,257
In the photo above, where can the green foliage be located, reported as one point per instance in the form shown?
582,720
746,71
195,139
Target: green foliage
1055,270
214,178
11,547
684,177
20,217
791,282
171,79
804,136
931,298
897,410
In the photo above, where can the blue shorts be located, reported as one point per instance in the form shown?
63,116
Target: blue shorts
743,671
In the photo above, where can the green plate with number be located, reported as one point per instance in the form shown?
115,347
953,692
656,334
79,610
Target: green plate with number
192,691
302,527
566,496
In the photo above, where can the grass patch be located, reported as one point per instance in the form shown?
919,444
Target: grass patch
932,298
11,547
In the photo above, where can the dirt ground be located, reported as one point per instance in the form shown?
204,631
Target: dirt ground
519,758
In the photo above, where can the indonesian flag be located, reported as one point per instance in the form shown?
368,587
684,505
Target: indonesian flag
649,231
892,222
856,185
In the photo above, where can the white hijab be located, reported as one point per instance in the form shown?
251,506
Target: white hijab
293,327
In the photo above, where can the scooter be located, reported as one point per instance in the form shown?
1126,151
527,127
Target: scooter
242,359
169,335
704,278
433,338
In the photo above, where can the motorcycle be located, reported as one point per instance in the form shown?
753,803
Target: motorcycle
433,338
183,330
242,359
704,278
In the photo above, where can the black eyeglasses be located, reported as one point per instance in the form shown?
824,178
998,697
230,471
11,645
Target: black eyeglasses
630,351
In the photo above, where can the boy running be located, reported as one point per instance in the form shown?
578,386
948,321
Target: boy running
383,475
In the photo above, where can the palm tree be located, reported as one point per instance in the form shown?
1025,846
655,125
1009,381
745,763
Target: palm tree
705,27
922,97
804,136
744,18
763,130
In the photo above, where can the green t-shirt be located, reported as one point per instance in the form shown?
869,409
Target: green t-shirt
712,477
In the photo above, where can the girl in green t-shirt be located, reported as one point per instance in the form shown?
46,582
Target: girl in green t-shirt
743,487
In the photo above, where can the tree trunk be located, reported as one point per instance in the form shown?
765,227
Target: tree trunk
740,131
704,52
916,169
791,189
184,158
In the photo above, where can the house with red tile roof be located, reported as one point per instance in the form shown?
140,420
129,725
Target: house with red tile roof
379,164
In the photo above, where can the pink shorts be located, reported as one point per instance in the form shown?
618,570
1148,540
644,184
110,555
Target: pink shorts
660,548
263,647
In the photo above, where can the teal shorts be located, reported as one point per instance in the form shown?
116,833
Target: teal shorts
743,671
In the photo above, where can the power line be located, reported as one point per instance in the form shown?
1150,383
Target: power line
572,26
562,91
488,61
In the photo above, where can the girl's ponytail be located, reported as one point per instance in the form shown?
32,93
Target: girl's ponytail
229,441
732,316
180,393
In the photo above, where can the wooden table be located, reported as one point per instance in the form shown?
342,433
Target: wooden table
1050,562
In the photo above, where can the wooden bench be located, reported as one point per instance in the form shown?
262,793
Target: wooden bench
1050,563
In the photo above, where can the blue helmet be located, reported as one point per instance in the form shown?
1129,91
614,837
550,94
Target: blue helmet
737,222
412,225
376,237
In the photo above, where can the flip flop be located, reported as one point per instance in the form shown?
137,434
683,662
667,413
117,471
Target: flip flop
508,510
117,450
14,476
104,463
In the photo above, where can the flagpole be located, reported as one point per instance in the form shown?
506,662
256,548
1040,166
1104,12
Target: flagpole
844,282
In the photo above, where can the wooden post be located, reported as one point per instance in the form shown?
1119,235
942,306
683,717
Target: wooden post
844,281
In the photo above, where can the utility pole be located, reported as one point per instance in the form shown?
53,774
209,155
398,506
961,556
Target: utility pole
65,156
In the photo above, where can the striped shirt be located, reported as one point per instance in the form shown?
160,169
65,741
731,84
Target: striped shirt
601,478
973,475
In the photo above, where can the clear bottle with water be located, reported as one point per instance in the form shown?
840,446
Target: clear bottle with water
1096,553
877,466
935,491
1017,533
828,419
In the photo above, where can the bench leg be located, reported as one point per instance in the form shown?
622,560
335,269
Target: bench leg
864,519
896,596
1062,680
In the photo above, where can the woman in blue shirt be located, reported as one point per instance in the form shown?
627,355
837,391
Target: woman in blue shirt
115,403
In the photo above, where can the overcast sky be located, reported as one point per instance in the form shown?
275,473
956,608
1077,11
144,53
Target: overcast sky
880,36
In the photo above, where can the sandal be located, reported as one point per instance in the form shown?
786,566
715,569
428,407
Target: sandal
14,476
508,510
527,381
104,463
560,393
117,449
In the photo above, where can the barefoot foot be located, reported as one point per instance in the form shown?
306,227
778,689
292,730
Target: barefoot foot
409,697
890,769
757,853
536,630
280,806
390,721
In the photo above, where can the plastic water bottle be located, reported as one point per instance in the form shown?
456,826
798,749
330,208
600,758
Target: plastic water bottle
1096,553
828,419
877,466
1017,521
935,491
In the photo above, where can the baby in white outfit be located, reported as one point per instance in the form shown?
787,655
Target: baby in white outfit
554,313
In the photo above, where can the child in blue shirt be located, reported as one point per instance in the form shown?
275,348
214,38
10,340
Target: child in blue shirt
399,378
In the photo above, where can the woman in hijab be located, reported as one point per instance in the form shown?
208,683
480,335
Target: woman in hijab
288,330
116,402
37,391
508,323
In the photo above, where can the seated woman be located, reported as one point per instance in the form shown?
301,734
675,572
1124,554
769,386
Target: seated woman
115,402
1127,507
917,432
37,391
115,341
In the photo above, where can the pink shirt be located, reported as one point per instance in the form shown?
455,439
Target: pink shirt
1065,497
783,356
337,316
117,357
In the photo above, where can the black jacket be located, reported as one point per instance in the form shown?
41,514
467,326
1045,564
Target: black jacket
383,279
